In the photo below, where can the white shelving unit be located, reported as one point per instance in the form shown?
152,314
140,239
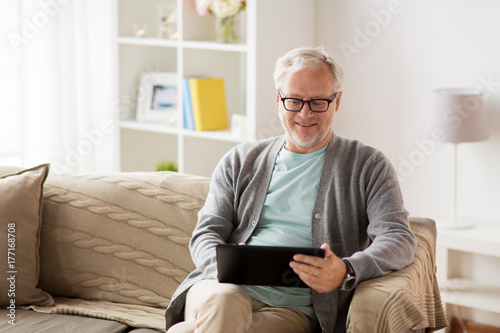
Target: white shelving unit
468,262
267,29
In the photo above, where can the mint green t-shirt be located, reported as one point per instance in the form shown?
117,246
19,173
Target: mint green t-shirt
285,220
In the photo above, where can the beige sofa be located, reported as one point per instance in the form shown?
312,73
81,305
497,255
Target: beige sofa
105,252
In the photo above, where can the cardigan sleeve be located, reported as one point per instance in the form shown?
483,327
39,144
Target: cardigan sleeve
392,241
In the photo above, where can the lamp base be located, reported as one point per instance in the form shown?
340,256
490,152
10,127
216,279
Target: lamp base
454,224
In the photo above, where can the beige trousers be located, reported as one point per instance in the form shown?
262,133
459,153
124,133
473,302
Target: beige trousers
213,307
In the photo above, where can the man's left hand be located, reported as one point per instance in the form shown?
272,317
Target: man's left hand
321,274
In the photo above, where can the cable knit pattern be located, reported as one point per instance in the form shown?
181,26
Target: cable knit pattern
104,246
115,212
163,194
108,285
119,237
403,300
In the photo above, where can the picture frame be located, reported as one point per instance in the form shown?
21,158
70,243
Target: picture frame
157,98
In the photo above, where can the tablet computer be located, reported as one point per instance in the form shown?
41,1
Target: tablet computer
260,265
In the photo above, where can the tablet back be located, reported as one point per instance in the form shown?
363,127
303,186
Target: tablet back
260,265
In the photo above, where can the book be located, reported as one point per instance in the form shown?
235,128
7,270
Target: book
208,102
187,108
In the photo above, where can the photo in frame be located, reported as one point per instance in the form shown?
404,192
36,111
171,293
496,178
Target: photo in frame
157,98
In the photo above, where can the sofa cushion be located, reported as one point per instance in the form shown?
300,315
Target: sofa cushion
21,200
128,314
120,237
31,321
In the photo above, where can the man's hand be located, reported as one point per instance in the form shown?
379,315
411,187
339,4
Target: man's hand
321,274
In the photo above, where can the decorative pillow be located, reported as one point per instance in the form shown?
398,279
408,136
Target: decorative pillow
21,197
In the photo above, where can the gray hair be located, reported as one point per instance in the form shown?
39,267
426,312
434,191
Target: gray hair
303,58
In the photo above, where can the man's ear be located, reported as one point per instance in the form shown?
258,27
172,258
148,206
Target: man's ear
277,99
337,101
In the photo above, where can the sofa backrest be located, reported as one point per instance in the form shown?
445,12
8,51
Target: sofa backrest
121,237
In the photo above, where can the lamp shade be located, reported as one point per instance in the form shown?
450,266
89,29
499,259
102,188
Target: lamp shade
460,115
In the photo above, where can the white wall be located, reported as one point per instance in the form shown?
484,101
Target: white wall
406,49
393,62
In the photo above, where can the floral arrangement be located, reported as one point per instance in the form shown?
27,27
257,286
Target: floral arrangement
220,8
225,12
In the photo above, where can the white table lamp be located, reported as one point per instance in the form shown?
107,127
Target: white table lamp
460,115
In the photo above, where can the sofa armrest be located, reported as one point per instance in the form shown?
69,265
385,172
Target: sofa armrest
403,300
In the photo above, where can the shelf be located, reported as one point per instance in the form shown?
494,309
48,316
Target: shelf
471,294
148,41
223,135
148,127
480,239
466,266
196,45
202,45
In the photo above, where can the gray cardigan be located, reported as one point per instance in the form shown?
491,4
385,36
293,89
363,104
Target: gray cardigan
358,211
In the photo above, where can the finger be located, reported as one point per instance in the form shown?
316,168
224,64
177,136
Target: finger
307,270
326,247
314,260
313,282
328,252
308,260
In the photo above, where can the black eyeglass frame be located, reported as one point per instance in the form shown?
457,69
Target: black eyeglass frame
283,99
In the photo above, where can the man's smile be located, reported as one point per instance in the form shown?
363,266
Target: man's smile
305,125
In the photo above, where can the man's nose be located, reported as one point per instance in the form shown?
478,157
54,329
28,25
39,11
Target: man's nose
306,110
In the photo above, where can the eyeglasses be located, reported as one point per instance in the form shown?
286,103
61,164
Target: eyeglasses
315,105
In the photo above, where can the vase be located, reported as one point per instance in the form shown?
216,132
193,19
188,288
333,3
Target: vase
224,29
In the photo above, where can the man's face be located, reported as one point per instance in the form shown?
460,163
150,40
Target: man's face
308,131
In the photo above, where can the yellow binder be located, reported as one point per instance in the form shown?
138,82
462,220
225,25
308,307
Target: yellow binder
208,101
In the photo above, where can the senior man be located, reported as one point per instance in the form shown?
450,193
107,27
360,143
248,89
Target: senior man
310,187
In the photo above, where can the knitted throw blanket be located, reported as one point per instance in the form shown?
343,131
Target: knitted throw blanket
403,300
